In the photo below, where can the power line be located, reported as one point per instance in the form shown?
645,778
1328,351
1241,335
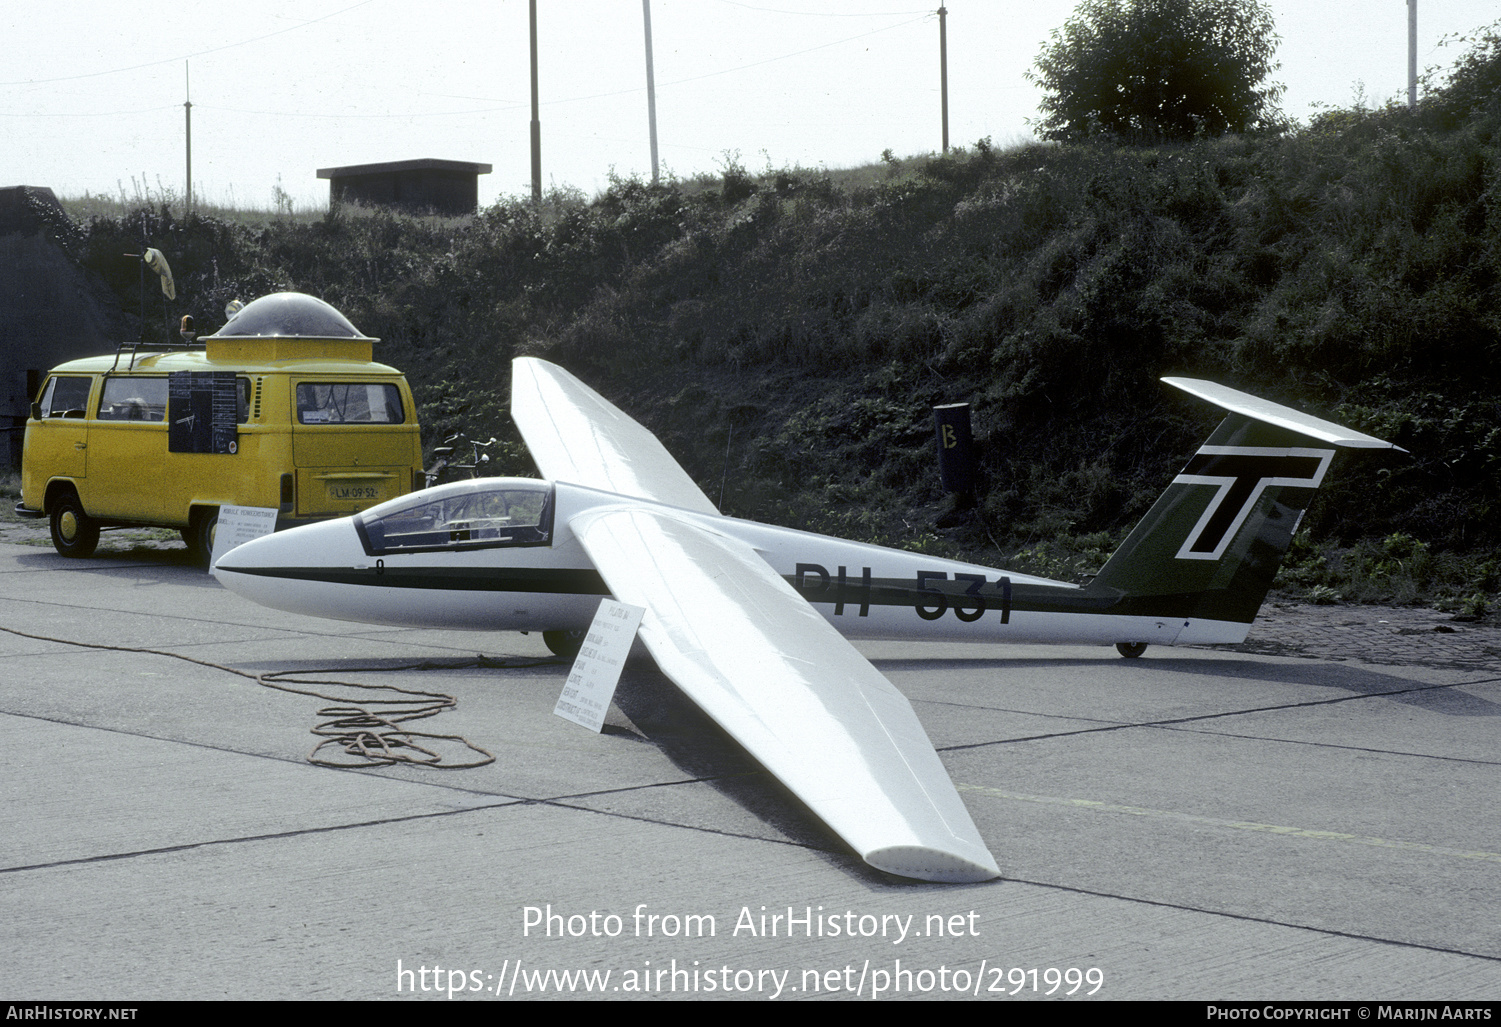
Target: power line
184,57
822,14
347,115
97,114
508,106
783,57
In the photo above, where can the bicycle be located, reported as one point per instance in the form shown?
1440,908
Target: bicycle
446,468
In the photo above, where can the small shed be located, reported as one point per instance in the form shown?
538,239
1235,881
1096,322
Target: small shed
448,187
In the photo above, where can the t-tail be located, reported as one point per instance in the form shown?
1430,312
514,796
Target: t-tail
1207,551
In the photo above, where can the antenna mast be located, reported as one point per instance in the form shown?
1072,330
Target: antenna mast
1412,54
536,115
943,70
651,90
187,110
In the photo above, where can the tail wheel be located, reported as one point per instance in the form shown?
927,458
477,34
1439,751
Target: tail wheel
564,643
74,533
1130,650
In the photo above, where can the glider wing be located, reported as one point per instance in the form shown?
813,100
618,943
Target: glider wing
774,674
576,435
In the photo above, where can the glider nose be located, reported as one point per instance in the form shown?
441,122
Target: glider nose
289,570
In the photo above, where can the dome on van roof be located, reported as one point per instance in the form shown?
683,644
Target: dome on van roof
288,315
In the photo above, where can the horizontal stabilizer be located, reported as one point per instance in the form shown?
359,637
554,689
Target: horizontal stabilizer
1275,413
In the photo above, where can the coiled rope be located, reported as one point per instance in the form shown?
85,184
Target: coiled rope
366,730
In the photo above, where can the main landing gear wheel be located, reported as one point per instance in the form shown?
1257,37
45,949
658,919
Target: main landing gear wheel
74,533
564,643
1130,650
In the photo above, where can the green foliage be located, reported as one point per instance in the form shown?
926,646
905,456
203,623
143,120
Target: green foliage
1397,569
1146,70
738,184
1472,85
1474,607
1323,595
1074,559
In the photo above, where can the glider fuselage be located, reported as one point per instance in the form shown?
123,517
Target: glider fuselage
459,579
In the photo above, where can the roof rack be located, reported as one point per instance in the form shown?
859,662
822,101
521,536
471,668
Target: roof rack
135,349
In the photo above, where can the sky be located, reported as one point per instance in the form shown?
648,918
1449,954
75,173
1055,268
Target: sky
92,92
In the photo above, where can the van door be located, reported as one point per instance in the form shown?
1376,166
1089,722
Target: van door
129,443
57,446
352,443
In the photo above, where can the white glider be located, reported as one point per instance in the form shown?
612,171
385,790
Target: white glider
751,621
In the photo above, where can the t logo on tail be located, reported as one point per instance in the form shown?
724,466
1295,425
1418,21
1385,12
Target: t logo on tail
1242,474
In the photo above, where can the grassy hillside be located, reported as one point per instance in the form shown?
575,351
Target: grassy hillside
787,333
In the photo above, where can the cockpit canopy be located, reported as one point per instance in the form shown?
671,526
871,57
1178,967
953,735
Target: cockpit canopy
289,315
474,514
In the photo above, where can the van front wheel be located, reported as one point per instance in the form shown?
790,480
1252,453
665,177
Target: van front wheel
74,533
200,535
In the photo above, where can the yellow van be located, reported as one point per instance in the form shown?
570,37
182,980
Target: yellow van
282,407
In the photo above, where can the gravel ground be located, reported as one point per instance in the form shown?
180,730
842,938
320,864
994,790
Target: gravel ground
1374,634
1366,634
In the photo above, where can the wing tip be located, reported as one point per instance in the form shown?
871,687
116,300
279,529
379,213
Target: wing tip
929,864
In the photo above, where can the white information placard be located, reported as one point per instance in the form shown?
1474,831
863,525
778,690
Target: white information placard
596,670
240,524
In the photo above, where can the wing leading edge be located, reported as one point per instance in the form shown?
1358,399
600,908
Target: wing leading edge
576,435
774,674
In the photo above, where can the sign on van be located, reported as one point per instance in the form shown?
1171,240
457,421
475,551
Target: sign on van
202,412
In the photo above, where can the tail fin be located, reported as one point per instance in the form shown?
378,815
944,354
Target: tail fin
1209,548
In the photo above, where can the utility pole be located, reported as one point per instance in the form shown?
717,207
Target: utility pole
1412,54
536,116
187,110
651,90
943,71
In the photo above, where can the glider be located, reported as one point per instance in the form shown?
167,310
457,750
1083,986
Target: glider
752,621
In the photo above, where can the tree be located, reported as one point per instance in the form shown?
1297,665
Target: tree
1146,70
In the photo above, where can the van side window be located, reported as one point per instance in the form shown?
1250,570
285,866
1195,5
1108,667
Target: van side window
349,403
134,399
66,396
